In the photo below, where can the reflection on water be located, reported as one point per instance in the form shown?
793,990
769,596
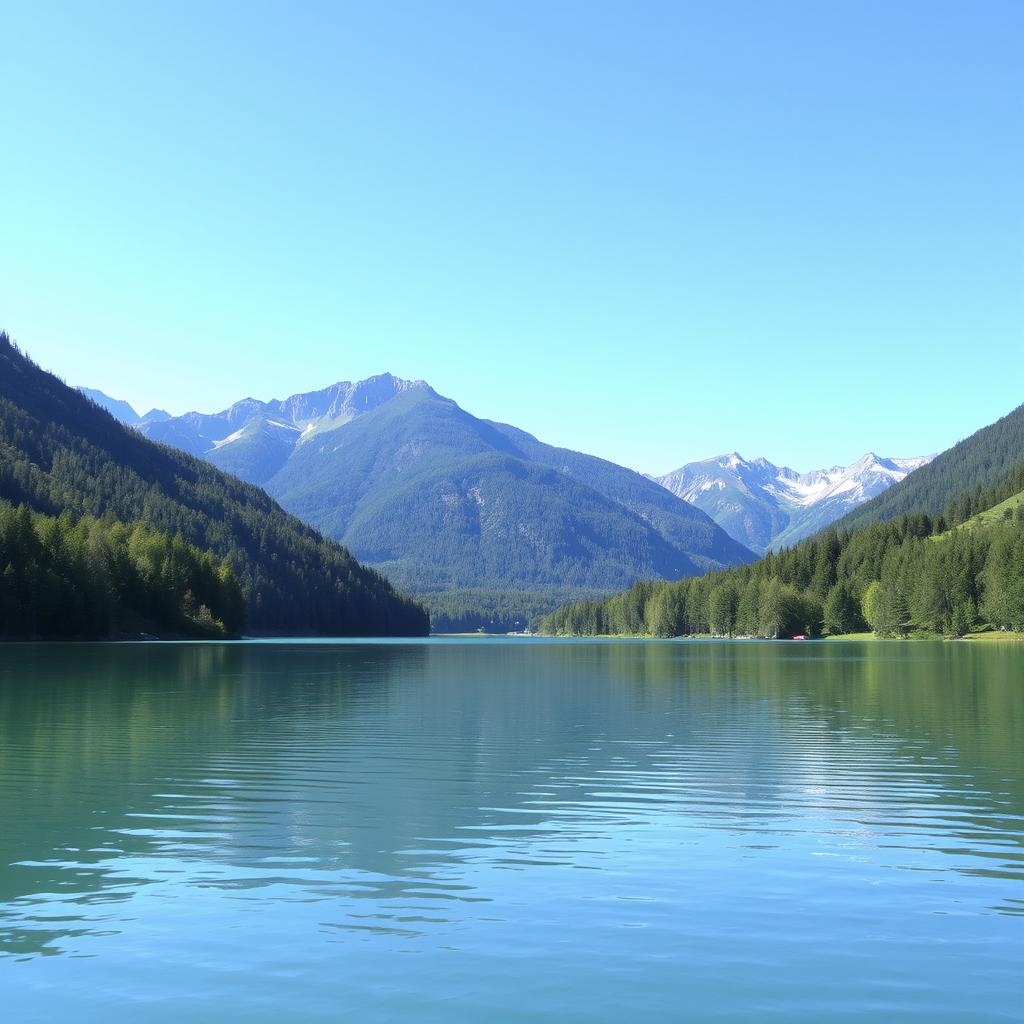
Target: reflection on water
595,828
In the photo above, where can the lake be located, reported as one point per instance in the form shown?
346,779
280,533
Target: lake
512,830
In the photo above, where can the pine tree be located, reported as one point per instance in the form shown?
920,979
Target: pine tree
840,612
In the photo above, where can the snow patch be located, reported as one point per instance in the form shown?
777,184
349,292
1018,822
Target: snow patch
227,440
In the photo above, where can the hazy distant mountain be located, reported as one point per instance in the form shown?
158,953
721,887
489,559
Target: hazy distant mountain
767,506
122,410
119,410
440,499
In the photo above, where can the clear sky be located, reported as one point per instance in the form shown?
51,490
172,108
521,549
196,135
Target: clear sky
654,232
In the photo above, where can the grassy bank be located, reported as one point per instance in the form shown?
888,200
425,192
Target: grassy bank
985,636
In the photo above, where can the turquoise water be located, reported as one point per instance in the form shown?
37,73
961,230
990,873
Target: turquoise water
512,831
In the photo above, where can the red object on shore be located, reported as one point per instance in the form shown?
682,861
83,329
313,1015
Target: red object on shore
800,636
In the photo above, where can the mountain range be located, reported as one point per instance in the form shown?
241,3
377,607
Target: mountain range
767,507
439,499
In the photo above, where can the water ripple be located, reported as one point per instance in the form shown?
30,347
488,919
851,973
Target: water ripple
642,816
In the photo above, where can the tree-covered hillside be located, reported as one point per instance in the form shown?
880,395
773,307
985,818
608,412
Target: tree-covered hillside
496,611
439,499
981,461
684,526
61,452
85,577
911,574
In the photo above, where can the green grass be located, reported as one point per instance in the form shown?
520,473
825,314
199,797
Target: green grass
991,635
990,517
986,635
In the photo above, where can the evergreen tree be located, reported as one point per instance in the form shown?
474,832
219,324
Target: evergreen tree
883,609
892,577
771,610
722,609
963,619
840,612
1003,580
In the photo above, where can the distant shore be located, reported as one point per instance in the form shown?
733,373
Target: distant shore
989,636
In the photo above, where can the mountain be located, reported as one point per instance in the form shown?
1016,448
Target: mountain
255,439
765,506
983,460
123,411
115,406
59,451
439,499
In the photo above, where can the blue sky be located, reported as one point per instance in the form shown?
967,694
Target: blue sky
650,231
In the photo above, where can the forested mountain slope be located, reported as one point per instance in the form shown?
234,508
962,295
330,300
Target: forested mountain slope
441,500
895,578
438,498
61,452
694,532
82,577
978,462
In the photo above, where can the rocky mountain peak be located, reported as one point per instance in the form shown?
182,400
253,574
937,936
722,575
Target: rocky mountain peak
763,505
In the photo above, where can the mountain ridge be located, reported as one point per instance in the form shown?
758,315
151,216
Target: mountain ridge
253,439
766,506
436,497
121,410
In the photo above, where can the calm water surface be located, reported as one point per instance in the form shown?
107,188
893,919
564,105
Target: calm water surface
512,831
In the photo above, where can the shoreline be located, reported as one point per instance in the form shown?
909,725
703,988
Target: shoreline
989,636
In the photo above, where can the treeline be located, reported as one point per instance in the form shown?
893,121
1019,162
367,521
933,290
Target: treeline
981,499
63,577
59,452
494,611
894,578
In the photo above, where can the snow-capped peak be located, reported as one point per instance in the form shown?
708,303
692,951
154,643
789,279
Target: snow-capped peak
756,501
732,460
